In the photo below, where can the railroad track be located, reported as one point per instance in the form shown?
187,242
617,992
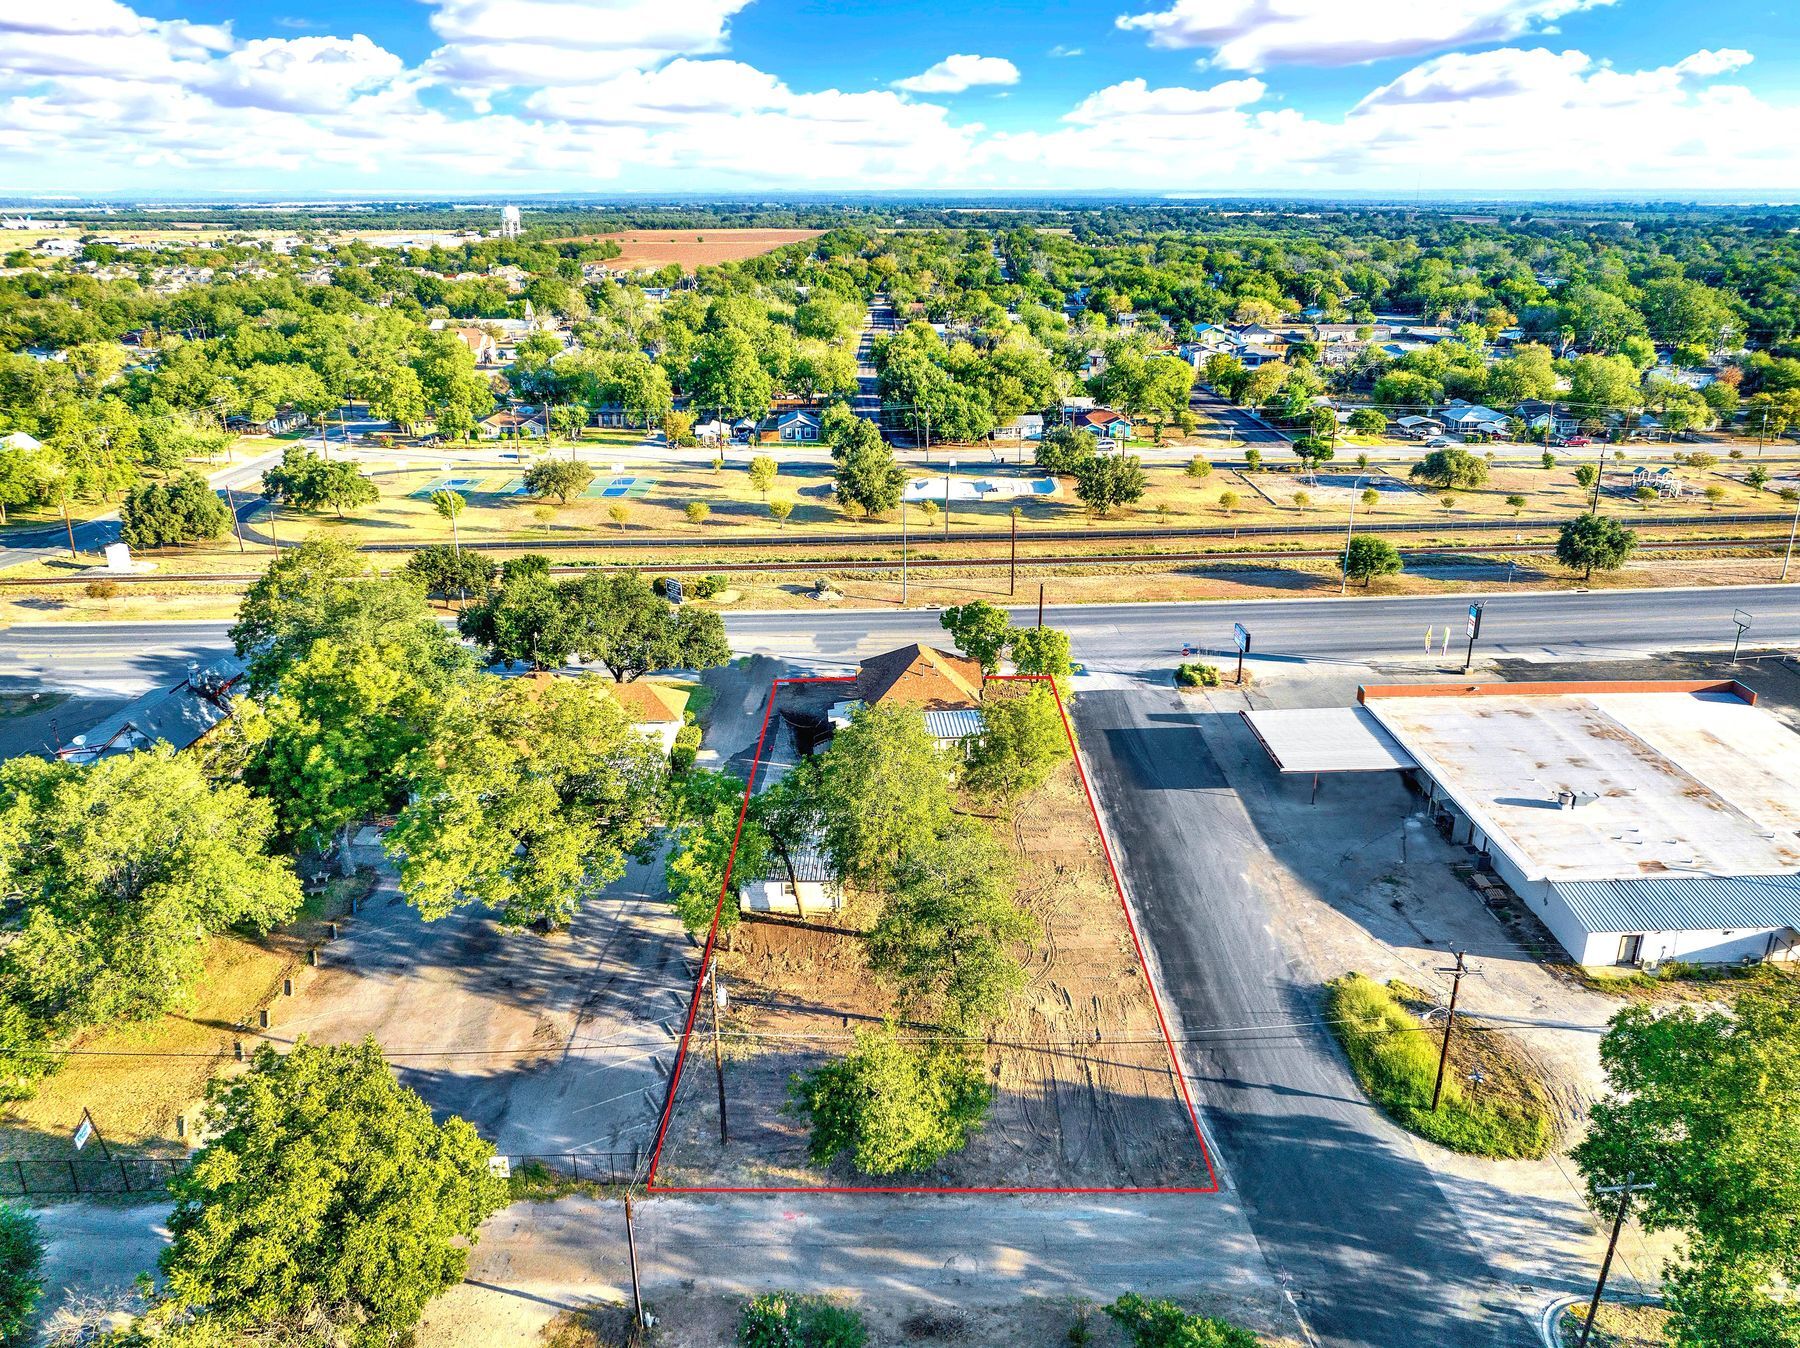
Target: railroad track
990,563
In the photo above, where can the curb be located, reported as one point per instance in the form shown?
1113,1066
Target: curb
1548,1317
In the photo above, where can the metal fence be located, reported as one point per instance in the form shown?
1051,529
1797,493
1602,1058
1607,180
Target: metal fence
25,1176
29,1176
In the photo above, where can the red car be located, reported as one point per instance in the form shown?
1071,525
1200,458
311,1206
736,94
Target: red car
1576,441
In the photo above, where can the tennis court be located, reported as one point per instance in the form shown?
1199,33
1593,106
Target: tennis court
635,488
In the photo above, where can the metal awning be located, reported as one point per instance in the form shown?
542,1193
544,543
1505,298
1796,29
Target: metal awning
1327,739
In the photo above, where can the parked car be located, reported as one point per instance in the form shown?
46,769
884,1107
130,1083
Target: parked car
1577,441
1439,442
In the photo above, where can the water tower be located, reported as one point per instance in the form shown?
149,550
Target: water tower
509,222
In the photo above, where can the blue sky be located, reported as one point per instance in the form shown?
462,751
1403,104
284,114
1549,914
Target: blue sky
495,96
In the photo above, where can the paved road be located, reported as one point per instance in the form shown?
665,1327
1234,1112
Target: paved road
1107,637
1340,1203
1245,426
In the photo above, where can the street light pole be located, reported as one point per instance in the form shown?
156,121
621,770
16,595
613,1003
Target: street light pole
903,550
948,465
1788,557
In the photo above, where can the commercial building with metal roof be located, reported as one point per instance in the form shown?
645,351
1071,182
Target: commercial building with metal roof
1642,822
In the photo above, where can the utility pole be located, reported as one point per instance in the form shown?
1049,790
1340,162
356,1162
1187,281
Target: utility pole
1040,603
1457,975
902,551
1012,579
1624,1191
1599,472
1788,557
718,1005
948,465
69,525
1344,583
637,1291
236,525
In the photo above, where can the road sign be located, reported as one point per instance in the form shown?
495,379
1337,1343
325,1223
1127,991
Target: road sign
1474,621
1741,618
500,1167
84,1131
1242,636
674,590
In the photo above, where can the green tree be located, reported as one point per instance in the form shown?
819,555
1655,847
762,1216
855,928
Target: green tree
1107,482
1592,542
1706,1107
945,931
1198,468
323,588
119,870
1756,476
524,617
1021,743
702,829
1517,502
338,735
449,506
762,474
618,619
979,630
697,512
306,481
1368,557
326,1195
890,1107
21,1272
868,476
1064,449
779,510
1452,467
1043,650
183,509
1713,493
561,478
1367,421
883,791
529,798
446,571
726,376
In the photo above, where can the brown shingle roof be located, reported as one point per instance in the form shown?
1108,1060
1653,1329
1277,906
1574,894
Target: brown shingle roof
920,676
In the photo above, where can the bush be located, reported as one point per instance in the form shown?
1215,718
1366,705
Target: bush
1197,676
687,746
1163,1324
101,589
707,586
1198,467
1397,1065
781,1320
21,1280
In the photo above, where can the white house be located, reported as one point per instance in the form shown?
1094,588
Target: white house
1028,426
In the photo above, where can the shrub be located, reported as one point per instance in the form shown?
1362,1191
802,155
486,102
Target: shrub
705,587
21,1280
1163,1324
1198,467
1197,676
782,1320
1548,459
696,512
1397,1066
101,589
687,746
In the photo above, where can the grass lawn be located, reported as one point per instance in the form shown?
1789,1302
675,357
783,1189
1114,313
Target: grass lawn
135,1100
1395,1059
1618,1326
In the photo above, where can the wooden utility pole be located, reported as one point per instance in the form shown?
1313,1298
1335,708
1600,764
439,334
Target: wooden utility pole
236,527
1457,975
69,525
1012,580
718,1005
637,1291
1624,1191
1040,603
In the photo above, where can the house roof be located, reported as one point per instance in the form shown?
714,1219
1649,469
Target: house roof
954,725
1103,416
1684,902
797,414
180,716
920,676
649,703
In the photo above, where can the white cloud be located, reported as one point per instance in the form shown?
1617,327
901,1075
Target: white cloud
1059,51
530,43
1135,99
1256,34
956,73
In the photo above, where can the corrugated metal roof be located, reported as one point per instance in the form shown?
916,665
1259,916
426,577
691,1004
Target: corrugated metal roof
1327,739
1683,902
953,725
811,865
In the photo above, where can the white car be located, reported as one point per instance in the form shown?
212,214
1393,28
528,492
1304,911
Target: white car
1439,442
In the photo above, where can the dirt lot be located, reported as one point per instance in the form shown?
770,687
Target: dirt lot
1084,1091
695,248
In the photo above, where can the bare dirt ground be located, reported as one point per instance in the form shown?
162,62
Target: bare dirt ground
693,248
1085,1094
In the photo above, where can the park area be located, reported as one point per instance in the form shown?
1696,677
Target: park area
688,249
1085,1091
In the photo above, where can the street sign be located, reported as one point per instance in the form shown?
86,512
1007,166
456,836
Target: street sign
1741,618
1242,636
674,590
500,1167
1474,621
84,1131
721,998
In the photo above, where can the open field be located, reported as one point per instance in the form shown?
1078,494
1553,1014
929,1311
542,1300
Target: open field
694,248
135,1100
1085,1094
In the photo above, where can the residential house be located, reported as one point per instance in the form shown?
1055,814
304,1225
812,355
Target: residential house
657,710
945,689
1540,416
181,716
480,342
1105,422
797,426
1028,426
513,425
1468,418
714,432
20,440
1417,427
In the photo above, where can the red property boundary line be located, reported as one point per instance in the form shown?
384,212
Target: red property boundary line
708,951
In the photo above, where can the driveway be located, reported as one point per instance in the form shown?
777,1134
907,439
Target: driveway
1377,1251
